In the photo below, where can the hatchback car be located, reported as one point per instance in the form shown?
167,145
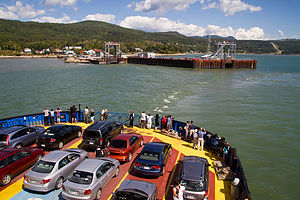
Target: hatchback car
89,178
153,158
58,135
194,176
13,161
135,190
18,136
101,133
124,145
51,171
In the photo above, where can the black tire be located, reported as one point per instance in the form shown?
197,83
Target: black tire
117,172
98,194
38,157
6,179
79,133
129,157
59,183
60,145
18,146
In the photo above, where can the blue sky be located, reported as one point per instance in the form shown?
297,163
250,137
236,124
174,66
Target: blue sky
243,19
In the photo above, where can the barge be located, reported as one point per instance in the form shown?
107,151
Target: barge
220,187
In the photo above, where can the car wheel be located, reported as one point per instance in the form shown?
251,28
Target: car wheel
38,157
129,157
117,172
163,171
98,194
79,134
6,179
60,145
18,146
59,183
142,142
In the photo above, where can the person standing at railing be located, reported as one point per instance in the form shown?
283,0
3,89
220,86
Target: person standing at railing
51,117
131,119
201,134
105,115
57,111
156,121
86,115
102,114
143,119
46,116
92,115
73,114
149,121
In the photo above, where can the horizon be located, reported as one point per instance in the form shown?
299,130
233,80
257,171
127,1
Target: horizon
241,19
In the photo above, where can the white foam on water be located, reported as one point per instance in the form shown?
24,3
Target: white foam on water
165,106
167,101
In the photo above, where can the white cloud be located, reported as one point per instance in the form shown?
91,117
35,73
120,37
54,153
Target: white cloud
20,11
61,2
101,17
230,7
281,32
161,6
65,19
164,24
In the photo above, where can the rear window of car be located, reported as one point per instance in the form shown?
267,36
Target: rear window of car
195,186
120,195
153,156
81,177
92,134
3,137
118,143
50,131
43,167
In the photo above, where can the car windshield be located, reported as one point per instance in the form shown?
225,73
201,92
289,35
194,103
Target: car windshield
92,134
81,177
128,195
196,186
43,167
153,156
119,144
50,131
3,137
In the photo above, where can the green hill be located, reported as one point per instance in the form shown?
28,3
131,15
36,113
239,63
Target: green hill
17,35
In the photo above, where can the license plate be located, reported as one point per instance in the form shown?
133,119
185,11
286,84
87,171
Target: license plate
91,142
32,181
190,197
73,192
145,167
43,145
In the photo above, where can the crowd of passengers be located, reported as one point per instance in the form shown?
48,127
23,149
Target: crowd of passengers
198,136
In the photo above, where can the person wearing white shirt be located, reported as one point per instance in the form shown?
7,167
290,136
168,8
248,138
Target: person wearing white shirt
149,121
143,119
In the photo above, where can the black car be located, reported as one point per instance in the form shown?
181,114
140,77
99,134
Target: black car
194,176
101,133
58,135
18,136
153,158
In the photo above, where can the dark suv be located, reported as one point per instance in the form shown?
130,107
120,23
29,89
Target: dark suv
18,136
194,176
101,133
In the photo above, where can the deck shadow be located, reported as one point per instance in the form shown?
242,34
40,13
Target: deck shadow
170,182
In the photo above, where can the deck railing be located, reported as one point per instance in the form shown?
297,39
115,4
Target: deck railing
178,126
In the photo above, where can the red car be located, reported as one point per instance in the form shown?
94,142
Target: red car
124,145
13,161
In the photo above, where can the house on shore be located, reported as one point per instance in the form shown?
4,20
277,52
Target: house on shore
27,51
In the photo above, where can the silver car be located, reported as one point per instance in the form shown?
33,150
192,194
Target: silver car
89,178
51,171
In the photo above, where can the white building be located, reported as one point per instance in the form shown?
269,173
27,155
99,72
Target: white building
146,55
27,50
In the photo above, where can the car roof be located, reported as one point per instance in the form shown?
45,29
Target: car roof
98,125
57,126
7,151
193,168
154,146
55,156
143,186
124,136
12,129
90,165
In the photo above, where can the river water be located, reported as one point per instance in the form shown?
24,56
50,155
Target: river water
257,111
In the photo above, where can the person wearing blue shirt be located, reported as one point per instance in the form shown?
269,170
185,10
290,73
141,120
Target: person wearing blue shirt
200,138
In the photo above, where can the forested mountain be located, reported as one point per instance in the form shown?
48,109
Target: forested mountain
17,35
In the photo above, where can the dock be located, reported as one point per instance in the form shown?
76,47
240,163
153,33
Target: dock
195,63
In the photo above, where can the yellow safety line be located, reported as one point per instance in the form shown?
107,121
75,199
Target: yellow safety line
171,177
124,177
16,187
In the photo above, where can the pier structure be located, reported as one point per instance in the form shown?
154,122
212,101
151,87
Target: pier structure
194,63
